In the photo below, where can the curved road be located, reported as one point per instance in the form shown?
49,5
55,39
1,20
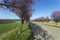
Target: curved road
55,32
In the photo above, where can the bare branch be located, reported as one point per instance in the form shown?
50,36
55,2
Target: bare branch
8,5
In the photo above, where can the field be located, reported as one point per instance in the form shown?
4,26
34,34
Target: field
51,23
10,31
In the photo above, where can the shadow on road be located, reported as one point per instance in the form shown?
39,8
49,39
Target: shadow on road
39,33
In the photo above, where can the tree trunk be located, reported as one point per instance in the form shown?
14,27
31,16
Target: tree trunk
22,22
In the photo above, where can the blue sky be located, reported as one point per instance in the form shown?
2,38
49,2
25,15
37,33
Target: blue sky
41,7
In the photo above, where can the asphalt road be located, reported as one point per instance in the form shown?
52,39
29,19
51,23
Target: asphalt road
55,32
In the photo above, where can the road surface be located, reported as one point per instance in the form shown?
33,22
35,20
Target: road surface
55,32
39,33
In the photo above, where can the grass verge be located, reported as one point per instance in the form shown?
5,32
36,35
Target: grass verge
13,33
53,24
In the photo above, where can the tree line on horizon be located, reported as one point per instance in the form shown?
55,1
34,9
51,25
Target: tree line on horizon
55,16
42,19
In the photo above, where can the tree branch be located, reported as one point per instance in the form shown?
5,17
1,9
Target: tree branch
8,5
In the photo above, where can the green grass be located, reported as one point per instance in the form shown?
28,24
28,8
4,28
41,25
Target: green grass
51,23
8,26
11,34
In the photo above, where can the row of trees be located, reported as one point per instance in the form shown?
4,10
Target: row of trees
55,16
22,8
42,19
